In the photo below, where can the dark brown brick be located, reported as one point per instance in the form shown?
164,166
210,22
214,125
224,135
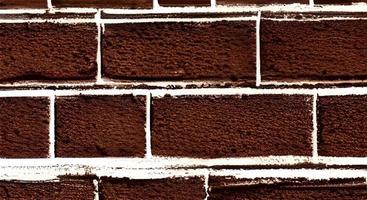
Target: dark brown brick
104,3
47,51
98,126
184,2
232,126
341,125
24,128
175,188
326,50
23,4
224,188
244,2
64,189
180,51
338,1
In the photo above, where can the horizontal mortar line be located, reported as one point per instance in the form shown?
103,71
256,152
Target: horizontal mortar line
181,92
58,20
316,19
54,173
174,162
206,19
290,83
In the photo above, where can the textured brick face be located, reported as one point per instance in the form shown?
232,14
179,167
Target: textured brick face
65,189
47,51
104,3
154,189
244,2
313,50
180,51
23,4
184,2
338,1
232,126
341,125
97,126
227,188
24,127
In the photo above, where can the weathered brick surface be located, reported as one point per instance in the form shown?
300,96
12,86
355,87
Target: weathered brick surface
341,125
232,126
169,188
104,3
24,127
184,2
5,4
244,2
47,52
327,50
338,1
98,126
64,189
230,188
180,51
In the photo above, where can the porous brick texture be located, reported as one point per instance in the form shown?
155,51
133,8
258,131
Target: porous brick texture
104,3
11,4
232,126
184,2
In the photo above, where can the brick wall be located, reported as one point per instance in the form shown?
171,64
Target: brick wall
195,99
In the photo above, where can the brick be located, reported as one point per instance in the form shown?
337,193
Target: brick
24,128
342,131
23,4
104,3
99,126
338,1
47,52
64,189
327,50
175,188
247,2
180,51
184,3
232,126
224,188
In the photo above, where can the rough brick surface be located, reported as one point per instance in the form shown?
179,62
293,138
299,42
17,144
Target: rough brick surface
341,125
232,126
327,50
338,1
180,51
24,127
184,2
64,189
154,189
104,3
47,51
244,2
97,126
223,188
4,4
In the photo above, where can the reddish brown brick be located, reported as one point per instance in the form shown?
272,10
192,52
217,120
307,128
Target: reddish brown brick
175,188
64,189
98,126
338,1
47,51
327,50
184,2
224,188
341,125
244,2
232,126
23,4
180,51
24,128
104,3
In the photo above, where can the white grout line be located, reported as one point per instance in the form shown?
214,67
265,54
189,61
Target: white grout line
213,4
39,20
49,4
316,19
206,184
156,5
312,3
52,127
314,132
152,20
99,79
96,189
258,61
300,83
148,133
